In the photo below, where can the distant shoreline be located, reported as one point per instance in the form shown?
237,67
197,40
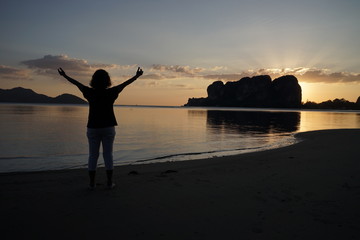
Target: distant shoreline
200,107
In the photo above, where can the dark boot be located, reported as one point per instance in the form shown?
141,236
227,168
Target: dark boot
92,179
109,174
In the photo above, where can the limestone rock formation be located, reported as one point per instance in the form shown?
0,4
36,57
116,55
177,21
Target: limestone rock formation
257,91
285,92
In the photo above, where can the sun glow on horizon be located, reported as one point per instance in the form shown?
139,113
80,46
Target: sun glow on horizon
320,92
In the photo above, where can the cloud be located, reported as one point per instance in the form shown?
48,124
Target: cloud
309,75
185,70
226,76
49,64
156,76
324,76
12,73
161,71
315,75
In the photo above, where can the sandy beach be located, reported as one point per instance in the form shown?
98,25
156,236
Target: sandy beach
310,190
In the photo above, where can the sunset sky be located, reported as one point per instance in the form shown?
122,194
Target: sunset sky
182,46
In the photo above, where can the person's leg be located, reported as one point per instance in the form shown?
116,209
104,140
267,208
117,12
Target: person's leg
94,145
108,142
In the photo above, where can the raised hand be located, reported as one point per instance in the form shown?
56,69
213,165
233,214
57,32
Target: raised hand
139,72
61,72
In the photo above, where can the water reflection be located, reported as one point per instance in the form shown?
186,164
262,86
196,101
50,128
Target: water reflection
250,121
18,109
316,120
71,108
42,109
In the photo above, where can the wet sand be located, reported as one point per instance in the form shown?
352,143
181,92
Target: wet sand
310,190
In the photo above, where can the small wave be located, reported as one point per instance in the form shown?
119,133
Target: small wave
60,156
190,154
16,157
289,140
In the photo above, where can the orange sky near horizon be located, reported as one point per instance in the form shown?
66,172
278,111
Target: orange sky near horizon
137,94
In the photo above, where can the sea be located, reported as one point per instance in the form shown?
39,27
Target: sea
38,137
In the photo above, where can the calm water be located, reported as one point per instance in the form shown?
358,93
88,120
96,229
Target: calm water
45,137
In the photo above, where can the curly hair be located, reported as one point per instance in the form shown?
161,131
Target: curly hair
100,79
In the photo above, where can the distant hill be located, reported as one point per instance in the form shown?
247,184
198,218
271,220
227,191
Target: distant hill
23,95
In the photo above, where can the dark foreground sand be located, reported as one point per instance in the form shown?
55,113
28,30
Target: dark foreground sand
310,190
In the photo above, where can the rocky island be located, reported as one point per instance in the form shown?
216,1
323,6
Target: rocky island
258,91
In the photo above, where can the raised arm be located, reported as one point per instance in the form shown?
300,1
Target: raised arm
121,86
73,81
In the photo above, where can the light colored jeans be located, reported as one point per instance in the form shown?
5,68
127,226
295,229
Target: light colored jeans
104,136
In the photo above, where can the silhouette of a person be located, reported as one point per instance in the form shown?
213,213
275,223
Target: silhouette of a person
101,120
